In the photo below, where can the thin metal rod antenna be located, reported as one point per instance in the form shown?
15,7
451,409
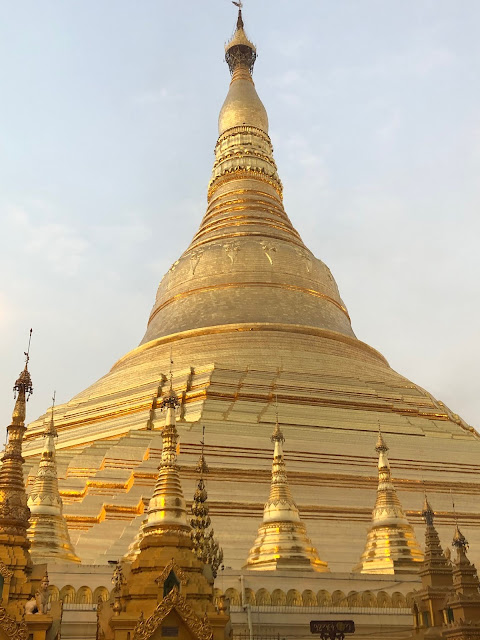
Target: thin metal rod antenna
27,352
53,400
276,408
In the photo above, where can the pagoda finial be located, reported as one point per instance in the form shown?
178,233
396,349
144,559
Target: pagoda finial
459,541
427,511
282,541
170,401
51,430
391,544
48,532
22,389
381,445
239,4
277,435
240,52
205,546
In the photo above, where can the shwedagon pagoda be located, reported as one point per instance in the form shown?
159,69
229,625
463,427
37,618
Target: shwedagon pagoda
251,465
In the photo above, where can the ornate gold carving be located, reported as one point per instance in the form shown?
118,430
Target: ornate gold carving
13,629
244,174
179,572
199,627
5,571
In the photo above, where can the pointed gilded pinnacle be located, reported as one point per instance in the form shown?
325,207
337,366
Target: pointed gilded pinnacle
427,512
48,532
282,541
459,541
239,51
167,509
14,512
391,544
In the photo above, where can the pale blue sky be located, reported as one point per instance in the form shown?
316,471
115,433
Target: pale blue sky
108,116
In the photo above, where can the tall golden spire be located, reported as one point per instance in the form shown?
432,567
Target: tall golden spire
13,500
205,546
282,541
167,510
391,544
14,512
48,531
246,261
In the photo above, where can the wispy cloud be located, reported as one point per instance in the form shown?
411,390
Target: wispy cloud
53,243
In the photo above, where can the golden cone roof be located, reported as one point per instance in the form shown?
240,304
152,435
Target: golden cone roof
391,543
48,532
282,541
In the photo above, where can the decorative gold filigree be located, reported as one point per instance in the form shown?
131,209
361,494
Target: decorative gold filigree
200,628
179,572
13,629
5,571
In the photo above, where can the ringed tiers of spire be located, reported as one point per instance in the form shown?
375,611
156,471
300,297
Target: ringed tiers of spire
282,541
391,545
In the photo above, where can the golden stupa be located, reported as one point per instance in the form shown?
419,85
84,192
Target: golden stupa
249,313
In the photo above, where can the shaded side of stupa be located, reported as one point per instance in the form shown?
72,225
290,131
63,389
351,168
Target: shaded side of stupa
249,312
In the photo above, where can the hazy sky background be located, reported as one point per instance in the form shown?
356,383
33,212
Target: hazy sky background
108,114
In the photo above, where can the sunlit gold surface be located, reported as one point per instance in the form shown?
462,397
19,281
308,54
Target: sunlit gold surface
282,541
48,532
14,513
391,544
249,312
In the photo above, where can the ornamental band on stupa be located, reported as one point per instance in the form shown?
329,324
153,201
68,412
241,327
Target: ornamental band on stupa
252,313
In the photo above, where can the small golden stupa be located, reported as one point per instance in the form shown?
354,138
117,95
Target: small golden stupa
282,541
48,532
391,543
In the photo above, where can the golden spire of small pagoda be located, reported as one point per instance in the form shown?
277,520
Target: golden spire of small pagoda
48,531
167,510
464,600
391,543
434,557
282,541
205,546
436,575
14,512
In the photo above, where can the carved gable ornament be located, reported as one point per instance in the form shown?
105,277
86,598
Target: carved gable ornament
178,571
198,627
